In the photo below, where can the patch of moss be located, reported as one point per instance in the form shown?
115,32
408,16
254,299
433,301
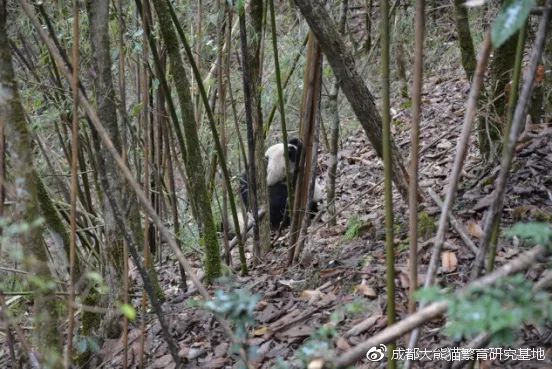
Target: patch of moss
404,245
353,227
407,104
90,321
426,225
489,181
356,228
542,216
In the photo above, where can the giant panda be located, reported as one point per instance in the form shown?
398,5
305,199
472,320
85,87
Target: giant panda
277,185
275,160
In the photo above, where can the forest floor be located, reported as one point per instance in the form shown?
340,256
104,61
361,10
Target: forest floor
337,270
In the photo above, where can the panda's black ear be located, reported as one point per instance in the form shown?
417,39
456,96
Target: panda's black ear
292,152
296,150
296,142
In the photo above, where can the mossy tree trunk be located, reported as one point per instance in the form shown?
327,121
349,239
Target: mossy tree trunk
255,67
112,254
54,222
488,136
501,73
400,54
26,210
464,38
194,164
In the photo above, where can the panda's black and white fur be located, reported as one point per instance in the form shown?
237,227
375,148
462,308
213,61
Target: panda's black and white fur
277,186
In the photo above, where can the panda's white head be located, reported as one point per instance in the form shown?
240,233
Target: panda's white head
276,164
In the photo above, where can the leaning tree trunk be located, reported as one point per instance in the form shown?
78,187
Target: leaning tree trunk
255,67
112,254
194,164
26,209
352,84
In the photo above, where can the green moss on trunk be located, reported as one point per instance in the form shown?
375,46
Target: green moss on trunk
26,211
54,222
194,165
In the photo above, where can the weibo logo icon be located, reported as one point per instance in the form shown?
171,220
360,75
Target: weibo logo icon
376,353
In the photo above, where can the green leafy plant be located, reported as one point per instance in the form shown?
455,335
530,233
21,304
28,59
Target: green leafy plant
510,19
534,233
353,228
237,305
499,310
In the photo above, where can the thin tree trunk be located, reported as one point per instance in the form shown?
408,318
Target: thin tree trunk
399,56
194,165
467,50
547,62
334,117
491,129
98,13
368,21
26,209
254,49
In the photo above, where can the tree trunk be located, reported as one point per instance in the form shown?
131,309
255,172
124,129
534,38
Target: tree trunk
26,211
334,114
255,67
489,134
399,56
112,254
464,38
194,165
54,223
352,84
547,62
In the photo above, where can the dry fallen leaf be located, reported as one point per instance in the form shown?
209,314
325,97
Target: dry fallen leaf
290,282
366,291
309,294
261,305
316,364
449,262
342,344
475,229
261,331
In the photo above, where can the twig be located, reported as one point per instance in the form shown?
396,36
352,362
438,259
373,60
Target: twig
20,334
459,228
9,335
